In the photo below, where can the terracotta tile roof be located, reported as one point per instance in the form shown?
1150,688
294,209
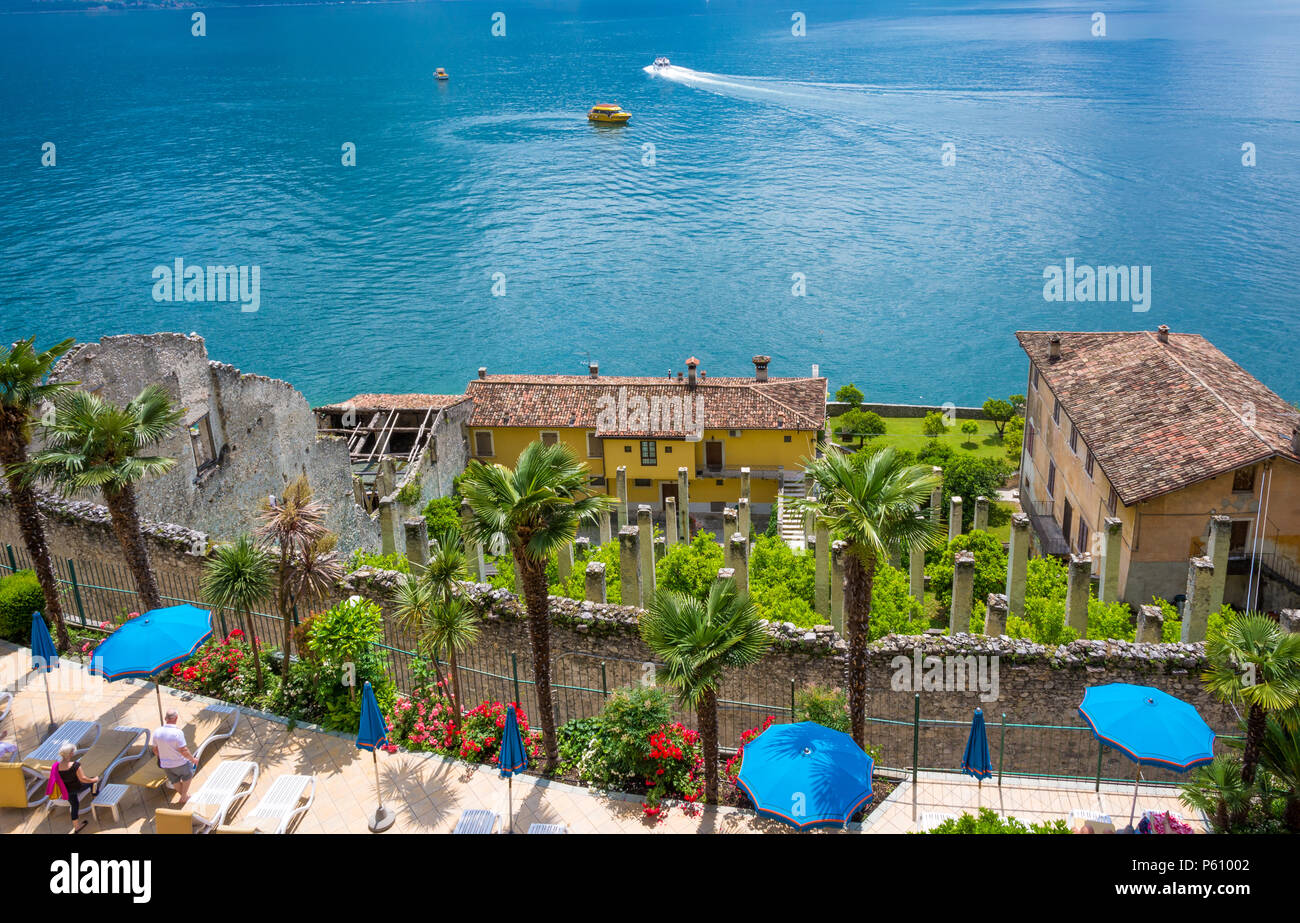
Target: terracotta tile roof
363,402
1160,416
563,401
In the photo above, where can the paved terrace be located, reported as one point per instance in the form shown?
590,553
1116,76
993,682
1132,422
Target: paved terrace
429,792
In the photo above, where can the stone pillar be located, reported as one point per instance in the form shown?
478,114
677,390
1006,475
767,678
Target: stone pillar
936,497
620,491
670,520
359,493
387,527
1111,541
963,589
564,561
954,518
627,565
1077,581
581,548
742,513
1217,551
725,574
1196,610
1150,624
1017,564
660,547
646,556
740,561
595,582
916,574
838,550
995,620
606,530
386,479
417,540
1289,620
684,505
981,523
473,551
822,569
808,515
744,483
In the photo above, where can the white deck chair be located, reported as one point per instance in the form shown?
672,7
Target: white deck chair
287,800
548,828
6,703
228,785
931,819
477,821
1099,822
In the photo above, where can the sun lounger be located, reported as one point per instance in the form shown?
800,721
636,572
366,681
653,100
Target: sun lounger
173,820
931,819
6,703
230,783
1090,822
211,726
18,786
121,744
282,806
35,767
548,828
477,821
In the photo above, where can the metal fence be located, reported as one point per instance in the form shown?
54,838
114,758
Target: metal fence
901,736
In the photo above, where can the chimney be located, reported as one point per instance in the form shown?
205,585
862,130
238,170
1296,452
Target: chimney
482,371
691,365
760,367
1162,333
679,378
593,369
1054,347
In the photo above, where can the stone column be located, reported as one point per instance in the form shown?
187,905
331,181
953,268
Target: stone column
684,504
1289,620
620,491
808,515
387,527
660,547
954,518
1111,541
1077,581
473,550
995,620
1217,551
742,513
359,493
740,561
730,523
916,574
627,566
595,582
822,569
386,479
417,540
581,548
936,497
1196,610
981,523
646,548
744,483
606,530
1017,564
963,588
670,520
564,561
837,584
725,574
1150,624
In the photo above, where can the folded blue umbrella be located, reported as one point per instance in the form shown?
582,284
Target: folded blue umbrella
975,760
806,775
44,657
512,759
373,732
1148,725
152,642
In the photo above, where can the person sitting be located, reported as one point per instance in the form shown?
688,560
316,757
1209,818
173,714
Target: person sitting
67,775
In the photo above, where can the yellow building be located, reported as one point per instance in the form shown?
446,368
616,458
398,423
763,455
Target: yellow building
1162,431
711,426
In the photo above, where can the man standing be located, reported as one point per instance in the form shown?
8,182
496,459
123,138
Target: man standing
174,756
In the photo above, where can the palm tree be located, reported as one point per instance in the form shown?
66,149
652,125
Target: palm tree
870,500
238,576
94,444
23,388
1279,756
530,512
1218,791
1253,662
307,567
698,641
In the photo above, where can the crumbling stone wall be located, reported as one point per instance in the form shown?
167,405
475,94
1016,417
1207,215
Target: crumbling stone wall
263,431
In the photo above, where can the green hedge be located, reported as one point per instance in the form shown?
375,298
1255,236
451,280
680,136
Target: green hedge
20,596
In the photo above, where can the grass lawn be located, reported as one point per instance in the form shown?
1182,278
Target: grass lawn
905,433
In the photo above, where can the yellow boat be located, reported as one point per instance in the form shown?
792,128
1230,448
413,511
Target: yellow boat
441,74
608,114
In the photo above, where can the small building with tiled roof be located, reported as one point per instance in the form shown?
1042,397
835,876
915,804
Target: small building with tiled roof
653,426
1162,431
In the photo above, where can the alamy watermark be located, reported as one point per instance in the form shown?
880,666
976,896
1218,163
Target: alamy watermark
622,412
179,282
950,673
1101,283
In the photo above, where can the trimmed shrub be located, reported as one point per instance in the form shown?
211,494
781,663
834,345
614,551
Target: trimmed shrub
20,596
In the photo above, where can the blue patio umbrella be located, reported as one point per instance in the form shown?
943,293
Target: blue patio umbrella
512,759
371,735
806,775
152,642
44,658
1149,726
975,759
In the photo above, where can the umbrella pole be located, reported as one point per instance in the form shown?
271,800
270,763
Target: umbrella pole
383,818
157,691
510,804
48,704
1133,808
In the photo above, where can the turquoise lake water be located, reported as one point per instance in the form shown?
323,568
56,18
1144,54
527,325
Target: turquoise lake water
775,158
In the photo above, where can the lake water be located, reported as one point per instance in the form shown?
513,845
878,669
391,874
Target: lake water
761,163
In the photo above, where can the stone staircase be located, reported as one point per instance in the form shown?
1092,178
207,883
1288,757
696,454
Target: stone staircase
791,519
